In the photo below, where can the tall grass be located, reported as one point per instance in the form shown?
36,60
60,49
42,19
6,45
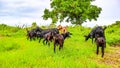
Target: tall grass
18,52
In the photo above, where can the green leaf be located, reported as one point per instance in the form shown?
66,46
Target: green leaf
76,11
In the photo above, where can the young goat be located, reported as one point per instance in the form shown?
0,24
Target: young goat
100,42
59,39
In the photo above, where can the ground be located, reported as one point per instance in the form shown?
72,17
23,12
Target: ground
112,57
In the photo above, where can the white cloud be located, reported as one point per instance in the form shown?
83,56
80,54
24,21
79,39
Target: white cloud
14,12
23,11
100,22
109,14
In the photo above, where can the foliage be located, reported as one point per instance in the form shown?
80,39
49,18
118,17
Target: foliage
6,30
74,11
112,33
116,24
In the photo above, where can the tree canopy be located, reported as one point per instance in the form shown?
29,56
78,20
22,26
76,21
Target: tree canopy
74,11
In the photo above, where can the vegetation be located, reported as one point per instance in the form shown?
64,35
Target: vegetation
74,11
112,33
18,52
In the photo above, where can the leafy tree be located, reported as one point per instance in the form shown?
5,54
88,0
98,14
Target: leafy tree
74,11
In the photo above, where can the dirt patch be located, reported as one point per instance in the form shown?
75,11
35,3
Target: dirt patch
1,36
112,58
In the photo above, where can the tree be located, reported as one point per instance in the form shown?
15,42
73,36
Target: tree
74,11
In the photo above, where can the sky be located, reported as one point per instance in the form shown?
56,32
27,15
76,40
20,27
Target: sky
19,12
109,14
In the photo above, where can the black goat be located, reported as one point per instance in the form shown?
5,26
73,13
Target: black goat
49,37
38,29
31,34
45,31
98,30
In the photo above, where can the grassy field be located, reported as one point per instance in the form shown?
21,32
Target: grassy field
18,52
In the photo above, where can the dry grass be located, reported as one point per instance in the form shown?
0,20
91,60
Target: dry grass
112,58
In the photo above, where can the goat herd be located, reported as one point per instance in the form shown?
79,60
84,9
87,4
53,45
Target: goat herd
53,34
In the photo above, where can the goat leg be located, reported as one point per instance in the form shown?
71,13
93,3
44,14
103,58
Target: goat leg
44,41
59,47
48,43
92,40
97,50
40,40
102,49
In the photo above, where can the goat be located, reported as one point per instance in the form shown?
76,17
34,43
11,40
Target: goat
31,34
100,42
45,31
99,30
59,39
62,29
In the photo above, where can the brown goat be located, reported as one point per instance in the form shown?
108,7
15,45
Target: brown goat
59,39
100,42
62,29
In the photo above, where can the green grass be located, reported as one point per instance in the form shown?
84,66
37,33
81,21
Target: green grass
18,52
25,54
